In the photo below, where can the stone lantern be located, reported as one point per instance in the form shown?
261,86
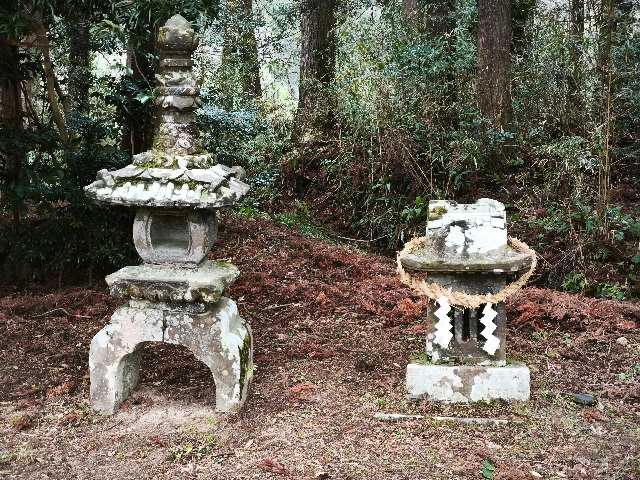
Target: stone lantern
464,265
176,296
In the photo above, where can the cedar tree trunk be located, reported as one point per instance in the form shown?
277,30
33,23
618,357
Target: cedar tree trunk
315,113
493,87
240,49
11,117
79,80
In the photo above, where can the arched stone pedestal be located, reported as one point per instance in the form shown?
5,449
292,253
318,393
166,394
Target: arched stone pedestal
215,334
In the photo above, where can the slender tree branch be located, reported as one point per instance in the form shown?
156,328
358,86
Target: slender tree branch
62,98
30,109
50,81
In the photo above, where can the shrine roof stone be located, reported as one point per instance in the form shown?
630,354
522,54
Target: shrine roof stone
466,238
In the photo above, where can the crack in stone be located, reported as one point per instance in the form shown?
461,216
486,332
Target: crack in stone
164,325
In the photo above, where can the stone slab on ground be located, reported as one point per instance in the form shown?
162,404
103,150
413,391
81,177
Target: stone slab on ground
467,383
167,283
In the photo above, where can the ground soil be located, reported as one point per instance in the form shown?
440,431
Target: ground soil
333,333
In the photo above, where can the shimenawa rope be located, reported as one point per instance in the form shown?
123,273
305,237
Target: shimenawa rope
435,291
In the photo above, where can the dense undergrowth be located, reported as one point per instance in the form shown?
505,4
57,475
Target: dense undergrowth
407,130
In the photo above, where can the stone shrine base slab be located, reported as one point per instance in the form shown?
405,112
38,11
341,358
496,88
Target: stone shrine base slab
467,383
168,283
216,335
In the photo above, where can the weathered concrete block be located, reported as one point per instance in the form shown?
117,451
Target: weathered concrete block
467,383
216,335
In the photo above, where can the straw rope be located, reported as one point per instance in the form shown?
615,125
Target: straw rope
435,291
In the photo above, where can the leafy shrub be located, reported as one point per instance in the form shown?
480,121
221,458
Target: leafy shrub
613,291
63,232
80,243
575,282
227,134
247,139
417,213
301,219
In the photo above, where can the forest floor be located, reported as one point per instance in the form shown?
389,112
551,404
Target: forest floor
333,333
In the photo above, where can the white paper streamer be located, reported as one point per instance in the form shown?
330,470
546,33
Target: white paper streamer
493,343
443,327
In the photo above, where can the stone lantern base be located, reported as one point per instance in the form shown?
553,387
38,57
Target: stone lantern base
467,383
176,306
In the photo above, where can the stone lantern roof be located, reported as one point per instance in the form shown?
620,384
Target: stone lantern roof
176,172
202,188
466,238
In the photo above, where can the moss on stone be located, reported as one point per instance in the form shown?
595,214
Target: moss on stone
421,358
177,185
437,213
150,164
245,360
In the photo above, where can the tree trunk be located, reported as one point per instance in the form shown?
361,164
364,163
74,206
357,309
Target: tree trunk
54,94
574,84
315,112
11,117
606,29
10,98
249,52
410,9
615,20
226,74
576,12
603,106
79,79
522,15
493,87
430,16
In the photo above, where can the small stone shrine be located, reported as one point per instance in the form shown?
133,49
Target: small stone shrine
177,295
463,265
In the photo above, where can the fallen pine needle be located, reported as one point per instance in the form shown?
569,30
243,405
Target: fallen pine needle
59,310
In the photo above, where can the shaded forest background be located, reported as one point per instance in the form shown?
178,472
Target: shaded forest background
348,116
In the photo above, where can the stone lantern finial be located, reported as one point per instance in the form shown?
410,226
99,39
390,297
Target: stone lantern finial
176,135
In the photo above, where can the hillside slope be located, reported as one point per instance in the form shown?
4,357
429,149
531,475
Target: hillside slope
333,333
